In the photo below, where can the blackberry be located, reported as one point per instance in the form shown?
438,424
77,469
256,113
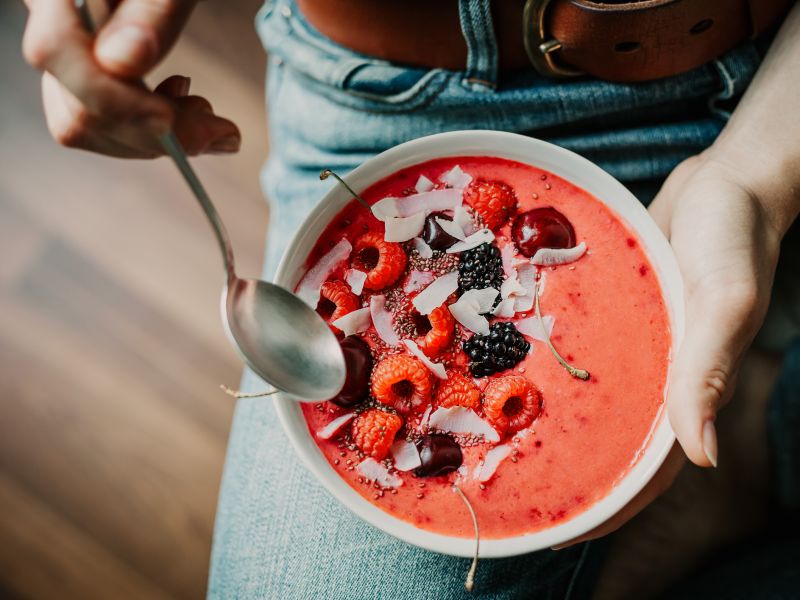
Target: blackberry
480,268
502,349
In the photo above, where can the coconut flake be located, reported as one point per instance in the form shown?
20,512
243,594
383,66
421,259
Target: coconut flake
459,419
462,216
402,229
482,236
356,321
405,455
526,274
423,420
494,457
382,319
551,257
311,284
334,426
436,293
505,308
512,287
532,328
456,177
416,280
356,280
484,298
372,470
507,255
452,228
467,312
423,184
425,202
435,368
422,248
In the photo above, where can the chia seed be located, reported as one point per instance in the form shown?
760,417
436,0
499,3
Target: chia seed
439,264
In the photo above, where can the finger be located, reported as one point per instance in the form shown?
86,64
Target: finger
55,41
654,488
73,126
139,34
175,86
718,331
201,131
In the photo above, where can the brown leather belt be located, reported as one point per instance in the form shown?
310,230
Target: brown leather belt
616,41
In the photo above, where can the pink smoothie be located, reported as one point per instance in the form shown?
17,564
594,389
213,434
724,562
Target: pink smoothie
610,319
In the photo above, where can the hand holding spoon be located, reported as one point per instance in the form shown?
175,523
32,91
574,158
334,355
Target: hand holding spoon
280,337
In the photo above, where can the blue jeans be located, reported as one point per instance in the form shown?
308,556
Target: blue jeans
278,533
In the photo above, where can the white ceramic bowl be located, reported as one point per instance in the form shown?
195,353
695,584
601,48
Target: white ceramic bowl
574,169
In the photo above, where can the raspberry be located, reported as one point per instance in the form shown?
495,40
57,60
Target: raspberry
511,403
494,201
373,432
480,268
457,390
337,300
502,349
437,331
383,261
402,382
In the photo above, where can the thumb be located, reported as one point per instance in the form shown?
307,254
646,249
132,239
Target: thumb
139,34
719,329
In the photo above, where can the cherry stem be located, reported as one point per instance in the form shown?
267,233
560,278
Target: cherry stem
581,374
238,394
328,173
469,584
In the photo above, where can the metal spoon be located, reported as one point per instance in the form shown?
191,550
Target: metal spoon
279,336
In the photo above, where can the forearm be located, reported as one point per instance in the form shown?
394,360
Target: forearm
761,142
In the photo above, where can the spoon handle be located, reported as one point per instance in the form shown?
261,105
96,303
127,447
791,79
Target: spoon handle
173,148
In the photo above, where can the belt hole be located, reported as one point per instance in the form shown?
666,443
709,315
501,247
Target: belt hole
701,26
627,47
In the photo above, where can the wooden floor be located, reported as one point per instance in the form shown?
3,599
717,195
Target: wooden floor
112,427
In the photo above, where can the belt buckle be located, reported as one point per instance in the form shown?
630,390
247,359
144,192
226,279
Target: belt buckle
539,45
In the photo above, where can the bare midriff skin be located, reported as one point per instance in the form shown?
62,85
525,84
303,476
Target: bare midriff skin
610,319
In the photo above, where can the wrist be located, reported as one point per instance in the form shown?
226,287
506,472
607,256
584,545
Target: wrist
770,175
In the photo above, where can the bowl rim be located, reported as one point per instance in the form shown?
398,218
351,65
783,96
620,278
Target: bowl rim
580,172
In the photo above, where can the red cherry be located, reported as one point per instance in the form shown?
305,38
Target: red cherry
433,234
542,228
439,454
358,365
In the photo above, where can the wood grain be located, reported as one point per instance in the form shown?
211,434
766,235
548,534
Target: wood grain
112,427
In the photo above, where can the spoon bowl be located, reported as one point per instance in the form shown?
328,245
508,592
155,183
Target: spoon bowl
283,340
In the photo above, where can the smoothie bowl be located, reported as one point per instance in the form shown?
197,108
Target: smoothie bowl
508,313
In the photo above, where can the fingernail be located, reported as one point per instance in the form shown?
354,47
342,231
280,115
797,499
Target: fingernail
710,442
558,547
186,83
130,46
225,145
